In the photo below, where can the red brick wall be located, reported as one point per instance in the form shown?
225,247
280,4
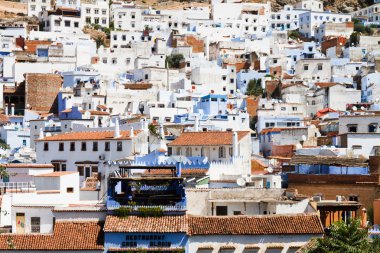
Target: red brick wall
41,91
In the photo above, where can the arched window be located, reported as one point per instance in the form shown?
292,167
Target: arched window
188,152
222,152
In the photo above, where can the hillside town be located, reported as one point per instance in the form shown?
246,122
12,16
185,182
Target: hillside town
221,126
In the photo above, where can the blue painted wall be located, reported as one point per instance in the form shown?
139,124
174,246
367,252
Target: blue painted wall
144,240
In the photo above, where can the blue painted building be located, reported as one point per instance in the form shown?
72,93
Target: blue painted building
149,234
212,105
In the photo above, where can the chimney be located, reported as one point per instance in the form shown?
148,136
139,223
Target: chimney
12,109
131,133
162,134
6,109
41,133
235,141
363,218
144,125
196,124
117,129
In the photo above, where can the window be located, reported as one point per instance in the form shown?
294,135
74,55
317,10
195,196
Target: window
67,23
222,152
35,224
221,211
46,146
372,128
104,21
114,61
72,146
88,20
283,108
96,11
63,167
96,20
352,128
76,24
232,80
88,10
305,67
188,152
70,189
84,146
61,146
320,66
237,212
95,146
107,146
119,146
80,170
294,108
104,12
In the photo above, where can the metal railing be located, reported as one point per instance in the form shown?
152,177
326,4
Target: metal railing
114,206
16,187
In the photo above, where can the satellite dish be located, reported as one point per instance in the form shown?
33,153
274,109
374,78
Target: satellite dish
240,182
354,108
304,138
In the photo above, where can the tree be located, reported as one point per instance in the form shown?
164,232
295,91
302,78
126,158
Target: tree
345,238
174,60
254,88
3,172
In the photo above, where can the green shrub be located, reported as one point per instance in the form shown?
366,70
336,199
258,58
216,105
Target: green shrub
123,211
150,212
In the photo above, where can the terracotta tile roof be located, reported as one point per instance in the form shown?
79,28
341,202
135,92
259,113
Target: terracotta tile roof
164,224
183,172
73,236
94,112
56,174
102,107
28,165
325,84
4,119
271,130
255,225
206,138
89,135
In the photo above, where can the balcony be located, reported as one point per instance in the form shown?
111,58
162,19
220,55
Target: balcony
53,129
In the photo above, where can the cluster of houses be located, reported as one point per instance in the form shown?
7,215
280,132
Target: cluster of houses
221,127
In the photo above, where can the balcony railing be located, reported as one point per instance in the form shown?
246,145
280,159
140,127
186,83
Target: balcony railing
112,205
17,187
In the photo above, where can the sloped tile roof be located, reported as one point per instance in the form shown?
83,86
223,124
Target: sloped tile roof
28,165
56,174
89,135
72,236
206,138
164,224
255,225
